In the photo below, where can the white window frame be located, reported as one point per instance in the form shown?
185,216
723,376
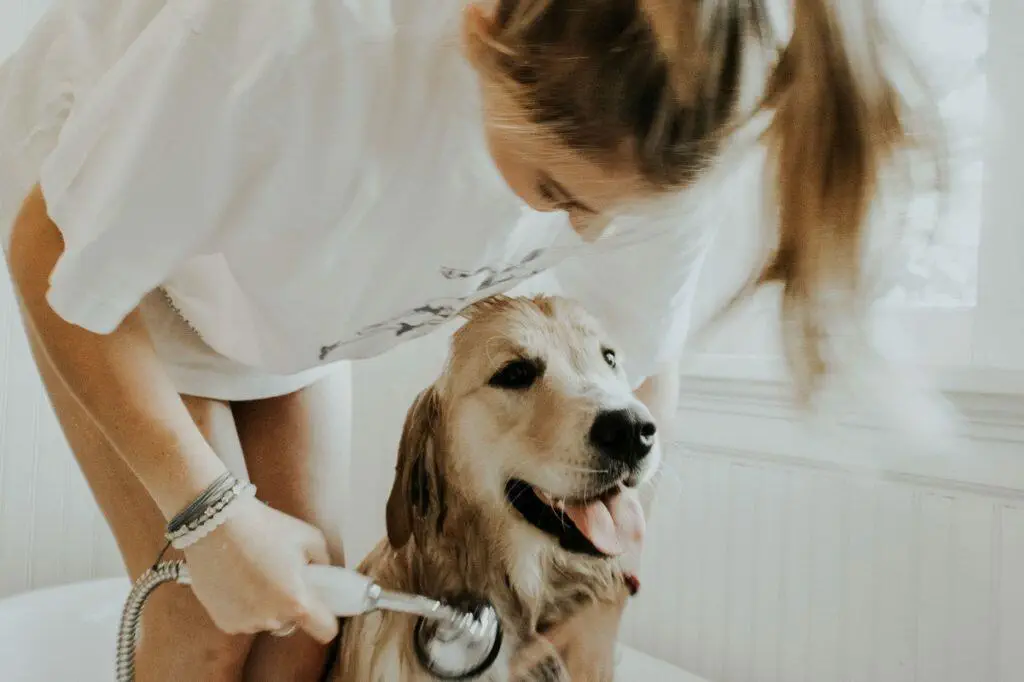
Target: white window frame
970,348
999,316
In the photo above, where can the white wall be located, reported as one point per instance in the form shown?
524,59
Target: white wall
780,560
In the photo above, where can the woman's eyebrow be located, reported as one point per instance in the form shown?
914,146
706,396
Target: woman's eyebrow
567,196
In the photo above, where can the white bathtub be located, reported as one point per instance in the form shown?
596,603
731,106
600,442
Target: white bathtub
68,633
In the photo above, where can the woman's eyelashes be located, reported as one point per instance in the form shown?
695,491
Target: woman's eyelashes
545,192
549,196
557,197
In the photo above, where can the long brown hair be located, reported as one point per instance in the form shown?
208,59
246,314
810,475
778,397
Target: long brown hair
655,83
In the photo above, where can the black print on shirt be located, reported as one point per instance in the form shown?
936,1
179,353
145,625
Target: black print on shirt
437,312
492,276
431,314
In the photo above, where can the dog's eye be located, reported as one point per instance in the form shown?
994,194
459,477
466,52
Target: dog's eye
610,358
518,374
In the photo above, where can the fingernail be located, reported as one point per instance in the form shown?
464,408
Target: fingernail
632,584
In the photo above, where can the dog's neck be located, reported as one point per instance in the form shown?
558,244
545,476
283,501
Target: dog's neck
531,581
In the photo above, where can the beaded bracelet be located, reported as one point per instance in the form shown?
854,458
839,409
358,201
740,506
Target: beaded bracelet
207,512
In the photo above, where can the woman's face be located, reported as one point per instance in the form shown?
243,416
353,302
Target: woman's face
550,177
546,174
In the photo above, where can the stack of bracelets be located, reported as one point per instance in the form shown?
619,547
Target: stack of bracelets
208,511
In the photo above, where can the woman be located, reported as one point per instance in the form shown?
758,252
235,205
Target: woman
227,200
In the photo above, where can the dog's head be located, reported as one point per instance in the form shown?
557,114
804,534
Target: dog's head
533,423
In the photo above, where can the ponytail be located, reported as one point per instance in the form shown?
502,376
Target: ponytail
836,123
657,83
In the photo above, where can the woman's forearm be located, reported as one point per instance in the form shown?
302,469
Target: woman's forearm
117,377
660,393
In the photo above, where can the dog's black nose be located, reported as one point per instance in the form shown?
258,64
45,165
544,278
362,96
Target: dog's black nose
623,435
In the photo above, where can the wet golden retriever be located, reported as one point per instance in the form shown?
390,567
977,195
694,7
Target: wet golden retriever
516,481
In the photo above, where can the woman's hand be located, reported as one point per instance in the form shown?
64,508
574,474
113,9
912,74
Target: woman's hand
582,649
248,573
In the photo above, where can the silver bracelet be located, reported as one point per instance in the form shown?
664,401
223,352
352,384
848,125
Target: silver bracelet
195,508
207,512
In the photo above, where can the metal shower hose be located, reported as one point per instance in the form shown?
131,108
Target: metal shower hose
128,632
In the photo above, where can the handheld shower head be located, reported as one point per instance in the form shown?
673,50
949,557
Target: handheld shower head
462,647
456,640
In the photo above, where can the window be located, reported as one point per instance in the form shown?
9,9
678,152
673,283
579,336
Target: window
999,324
960,296
943,264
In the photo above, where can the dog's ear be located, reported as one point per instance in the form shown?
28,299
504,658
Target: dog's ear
417,493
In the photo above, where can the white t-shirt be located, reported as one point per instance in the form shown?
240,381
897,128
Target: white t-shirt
308,180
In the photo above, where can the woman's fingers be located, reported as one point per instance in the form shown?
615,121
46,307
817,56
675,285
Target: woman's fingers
535,656
316,547
581,648
318,622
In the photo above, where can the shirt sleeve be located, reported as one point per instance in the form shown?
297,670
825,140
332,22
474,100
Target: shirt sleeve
641,290
146,165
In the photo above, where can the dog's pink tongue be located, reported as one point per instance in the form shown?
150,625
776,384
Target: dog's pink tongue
614,525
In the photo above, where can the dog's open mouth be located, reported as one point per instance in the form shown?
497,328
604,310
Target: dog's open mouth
605,525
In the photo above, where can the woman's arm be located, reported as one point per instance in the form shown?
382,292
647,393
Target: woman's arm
116,377
249,579
660,393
